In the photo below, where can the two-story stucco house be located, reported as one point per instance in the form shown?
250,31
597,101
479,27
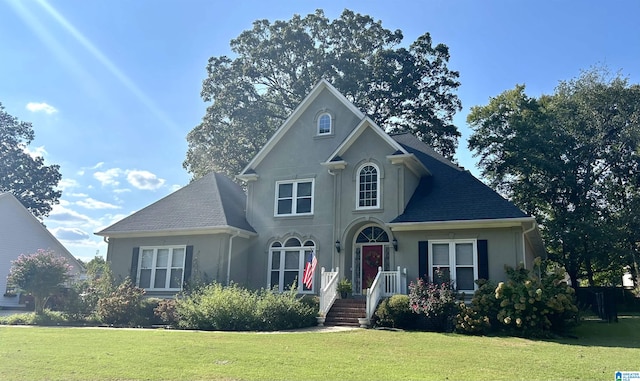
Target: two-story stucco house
333,183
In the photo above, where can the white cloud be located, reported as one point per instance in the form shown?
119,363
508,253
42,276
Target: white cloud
70,234
144,180
41,107
65,215
78,194
35,152
121,190
175,187
90,203
109,177
65,184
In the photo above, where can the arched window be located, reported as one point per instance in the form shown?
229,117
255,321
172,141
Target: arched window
324,124
368,187
287,263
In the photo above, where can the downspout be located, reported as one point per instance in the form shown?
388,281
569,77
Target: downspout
234,235
524,236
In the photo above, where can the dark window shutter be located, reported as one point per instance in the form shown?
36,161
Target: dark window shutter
188,263
423,259
134,264
483,259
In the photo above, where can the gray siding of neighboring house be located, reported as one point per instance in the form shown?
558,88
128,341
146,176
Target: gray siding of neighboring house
22,233
210,256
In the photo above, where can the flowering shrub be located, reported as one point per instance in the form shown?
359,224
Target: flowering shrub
525,305
435,301
121,306
42,274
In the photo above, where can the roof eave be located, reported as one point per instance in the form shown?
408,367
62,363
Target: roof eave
460,224
176,232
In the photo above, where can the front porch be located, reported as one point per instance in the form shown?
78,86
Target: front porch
385,284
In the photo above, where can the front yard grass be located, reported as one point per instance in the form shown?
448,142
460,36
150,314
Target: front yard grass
48,353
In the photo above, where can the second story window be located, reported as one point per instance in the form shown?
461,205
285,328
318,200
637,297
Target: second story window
294,198
368,187
324,124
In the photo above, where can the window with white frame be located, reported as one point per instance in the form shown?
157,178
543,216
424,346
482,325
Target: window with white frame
287,263
368,187
294,198
161,267
324,124
455,261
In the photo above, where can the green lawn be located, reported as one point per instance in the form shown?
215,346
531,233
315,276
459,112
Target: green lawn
41,353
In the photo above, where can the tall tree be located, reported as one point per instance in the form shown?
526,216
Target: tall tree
567,158
32,182
278,63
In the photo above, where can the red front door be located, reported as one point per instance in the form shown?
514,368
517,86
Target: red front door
371,260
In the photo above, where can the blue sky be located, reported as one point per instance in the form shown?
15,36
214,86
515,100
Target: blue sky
112,87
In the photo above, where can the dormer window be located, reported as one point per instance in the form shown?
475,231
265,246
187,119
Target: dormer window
324,124
368,187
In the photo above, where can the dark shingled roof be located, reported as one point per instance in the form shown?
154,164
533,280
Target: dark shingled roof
213,201
450,193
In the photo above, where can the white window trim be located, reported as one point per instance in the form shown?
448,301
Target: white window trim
452,259
378,187
294,193
169,267
301,266
330,125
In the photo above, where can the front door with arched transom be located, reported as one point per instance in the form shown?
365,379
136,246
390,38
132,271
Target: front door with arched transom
372,252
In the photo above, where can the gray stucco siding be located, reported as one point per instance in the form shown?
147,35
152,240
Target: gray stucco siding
504,248
209,254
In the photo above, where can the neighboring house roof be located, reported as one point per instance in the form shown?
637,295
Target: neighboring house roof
451,193
209,205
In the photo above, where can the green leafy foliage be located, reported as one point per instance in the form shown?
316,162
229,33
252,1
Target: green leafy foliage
395,312
277,64
232,308
121,306
529,304
26,177
41,274
81,300
572,159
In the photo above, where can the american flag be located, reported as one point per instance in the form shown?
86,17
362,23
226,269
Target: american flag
307,278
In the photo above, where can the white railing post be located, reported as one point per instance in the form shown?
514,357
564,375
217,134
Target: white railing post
328,290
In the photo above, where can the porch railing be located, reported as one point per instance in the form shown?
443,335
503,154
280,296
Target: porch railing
328,289
385,284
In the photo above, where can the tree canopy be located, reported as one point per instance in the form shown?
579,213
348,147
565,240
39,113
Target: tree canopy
573,160
41,274
277,64
32,182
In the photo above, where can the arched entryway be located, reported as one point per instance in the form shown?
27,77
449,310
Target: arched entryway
371,251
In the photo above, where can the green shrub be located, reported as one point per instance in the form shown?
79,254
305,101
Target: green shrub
525,305
145,315
122,306
215,307
470,321
47,317
283,311
232,308
395,312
